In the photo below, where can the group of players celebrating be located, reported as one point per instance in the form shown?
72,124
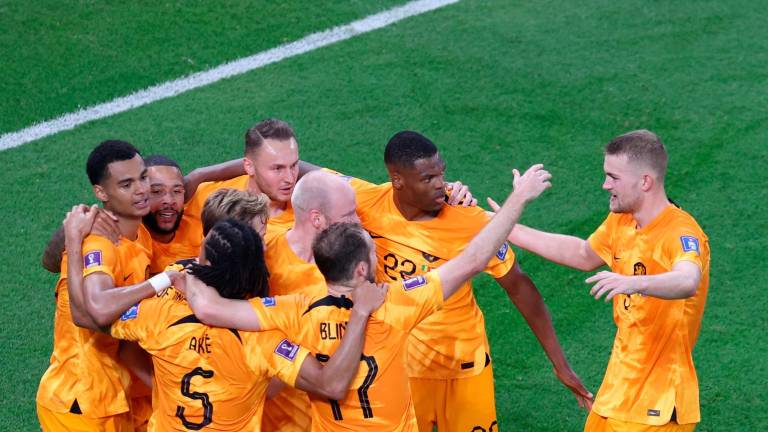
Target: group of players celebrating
269,294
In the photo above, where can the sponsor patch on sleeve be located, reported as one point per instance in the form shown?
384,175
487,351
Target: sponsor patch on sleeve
502,253
287,350
414,283
690,244
268,301
131,313
92,259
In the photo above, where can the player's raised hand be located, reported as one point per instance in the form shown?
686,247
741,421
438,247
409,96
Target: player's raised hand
106,226
369,297
569,379
78,222
460,195
532,183
611,284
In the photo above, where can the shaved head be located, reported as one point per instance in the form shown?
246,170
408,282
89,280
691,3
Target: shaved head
326,193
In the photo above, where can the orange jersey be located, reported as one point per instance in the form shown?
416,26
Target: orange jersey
194,208
651,369
84,373
184,245
379,397
289,274
206,377
452,343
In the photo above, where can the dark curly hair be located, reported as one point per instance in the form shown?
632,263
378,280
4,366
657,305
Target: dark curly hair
236,268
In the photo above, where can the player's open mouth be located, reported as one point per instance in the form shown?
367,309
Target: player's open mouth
167,216
141,204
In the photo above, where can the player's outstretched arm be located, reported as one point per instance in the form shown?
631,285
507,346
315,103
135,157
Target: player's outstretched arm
561,249
527,299
679,283
480,250
333,380
216,311
219,172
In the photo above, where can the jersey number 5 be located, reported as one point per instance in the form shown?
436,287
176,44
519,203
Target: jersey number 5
362,391
207,405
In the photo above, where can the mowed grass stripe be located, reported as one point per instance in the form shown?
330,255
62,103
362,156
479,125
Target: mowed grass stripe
227,70
496,85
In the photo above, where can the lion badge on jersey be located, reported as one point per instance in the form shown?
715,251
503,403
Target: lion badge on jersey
92,259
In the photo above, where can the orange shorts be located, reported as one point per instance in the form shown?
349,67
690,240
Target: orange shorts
288,411
456,405
51,421
597,423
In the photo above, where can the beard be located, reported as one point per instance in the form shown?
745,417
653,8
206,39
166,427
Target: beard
370,277
151,223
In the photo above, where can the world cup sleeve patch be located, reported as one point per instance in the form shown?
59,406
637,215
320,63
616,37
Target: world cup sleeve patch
287,350
690,244
414,283
92,259
502,253
268,301
131,313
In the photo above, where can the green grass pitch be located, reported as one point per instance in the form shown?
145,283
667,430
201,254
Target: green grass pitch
496,84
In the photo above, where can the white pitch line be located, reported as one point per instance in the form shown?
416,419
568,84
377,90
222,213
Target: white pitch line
227,70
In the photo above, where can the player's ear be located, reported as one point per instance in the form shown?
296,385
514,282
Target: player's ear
397,179
100,193
647,182
317,219
248,166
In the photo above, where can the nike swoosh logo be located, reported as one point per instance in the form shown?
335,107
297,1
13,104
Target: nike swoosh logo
616,258
126,278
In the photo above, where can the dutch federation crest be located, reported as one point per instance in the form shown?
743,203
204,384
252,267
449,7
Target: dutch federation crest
502,253
131,313
690,244
287,349
414,283
92,259
268,301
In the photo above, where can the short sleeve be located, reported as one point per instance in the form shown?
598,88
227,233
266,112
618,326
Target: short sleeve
136,323
280,312
600,241
410,301
502,262
684,244
99,256
283,357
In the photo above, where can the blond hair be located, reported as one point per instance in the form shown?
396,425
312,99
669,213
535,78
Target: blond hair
236,204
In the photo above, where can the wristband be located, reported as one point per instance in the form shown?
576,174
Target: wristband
160,282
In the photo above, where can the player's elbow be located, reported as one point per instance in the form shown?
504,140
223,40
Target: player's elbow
102,319
84,321
689,289
48,263
205,313
335,390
